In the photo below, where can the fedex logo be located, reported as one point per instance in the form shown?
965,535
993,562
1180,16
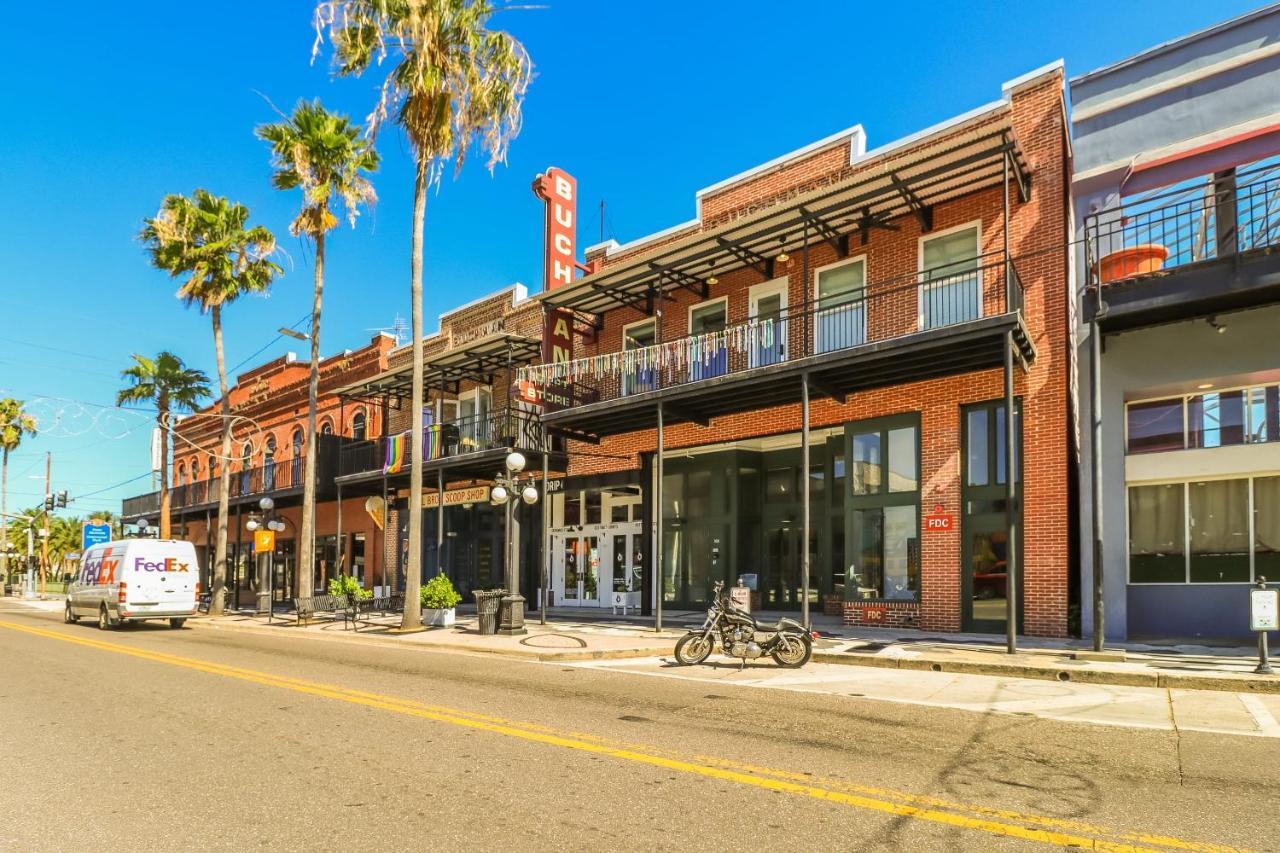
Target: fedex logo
100,571
168,564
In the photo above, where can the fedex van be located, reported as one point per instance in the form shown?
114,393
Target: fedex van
133,580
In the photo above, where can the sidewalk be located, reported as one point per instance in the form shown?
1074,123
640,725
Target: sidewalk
576,635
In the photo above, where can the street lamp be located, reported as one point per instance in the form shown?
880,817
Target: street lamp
509,490
266,567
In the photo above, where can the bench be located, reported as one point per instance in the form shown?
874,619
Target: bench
382,605
305,608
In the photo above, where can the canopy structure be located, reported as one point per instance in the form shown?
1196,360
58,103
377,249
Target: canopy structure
476,361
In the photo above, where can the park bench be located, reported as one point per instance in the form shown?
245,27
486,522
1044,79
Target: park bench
305,608
382,605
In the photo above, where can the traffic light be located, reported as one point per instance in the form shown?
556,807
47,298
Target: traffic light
62,498
48,503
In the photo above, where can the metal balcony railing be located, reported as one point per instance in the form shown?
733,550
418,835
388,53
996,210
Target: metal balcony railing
1207,220
494,430
880,311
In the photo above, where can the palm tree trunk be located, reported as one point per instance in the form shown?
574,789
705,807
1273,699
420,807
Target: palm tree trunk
224,483
306,548
4,522
162,421
413,571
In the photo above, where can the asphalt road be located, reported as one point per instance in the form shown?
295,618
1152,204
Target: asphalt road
221,740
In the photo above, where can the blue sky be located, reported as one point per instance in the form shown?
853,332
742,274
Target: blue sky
643,102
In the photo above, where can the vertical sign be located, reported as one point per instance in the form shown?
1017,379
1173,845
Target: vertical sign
559,190
557,348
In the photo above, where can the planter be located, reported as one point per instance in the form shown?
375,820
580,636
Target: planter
441,618
1135,260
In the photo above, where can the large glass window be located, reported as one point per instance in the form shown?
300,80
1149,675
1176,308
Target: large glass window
1218,520
1266,527
1156,534
882,529
951,291
1211,419
903,460
842,313
1215,420
1155,426
985,446
866,463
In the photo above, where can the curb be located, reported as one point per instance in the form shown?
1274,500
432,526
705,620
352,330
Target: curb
1231,683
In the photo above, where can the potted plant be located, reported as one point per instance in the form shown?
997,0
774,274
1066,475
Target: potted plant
439,599
350,588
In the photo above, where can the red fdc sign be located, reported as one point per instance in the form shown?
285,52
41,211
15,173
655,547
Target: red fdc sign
559,191
938,521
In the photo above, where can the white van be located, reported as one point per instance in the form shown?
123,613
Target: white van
133,580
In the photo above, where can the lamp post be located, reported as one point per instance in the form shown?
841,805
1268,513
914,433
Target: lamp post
268,521
508,491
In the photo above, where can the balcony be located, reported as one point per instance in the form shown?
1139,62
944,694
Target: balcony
1188,252
910,328
462,447
280,477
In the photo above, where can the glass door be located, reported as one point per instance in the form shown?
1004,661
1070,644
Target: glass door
841,319
710,357
984,542
769,330
577,570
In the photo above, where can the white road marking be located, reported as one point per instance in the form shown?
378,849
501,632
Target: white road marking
1261,714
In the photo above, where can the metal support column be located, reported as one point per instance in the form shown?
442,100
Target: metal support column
1012,461
1008,277
659,575
386,515
439,486
546,528
1095,476
804,490
338,552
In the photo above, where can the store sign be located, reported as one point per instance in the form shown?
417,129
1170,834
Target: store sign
874,615
559,190
939,521
557,348
1264,610
456,497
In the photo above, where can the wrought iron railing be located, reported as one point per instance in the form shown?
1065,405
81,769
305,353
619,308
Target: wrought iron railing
1204,221
501,428
881,311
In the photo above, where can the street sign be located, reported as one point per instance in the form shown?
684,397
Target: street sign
263,541
94,533
1264,610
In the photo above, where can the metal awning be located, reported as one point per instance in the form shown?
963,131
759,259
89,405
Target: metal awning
476,360
909,180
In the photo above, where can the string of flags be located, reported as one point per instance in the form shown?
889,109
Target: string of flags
669,357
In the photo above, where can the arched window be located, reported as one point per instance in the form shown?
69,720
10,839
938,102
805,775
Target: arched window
295,467
195,470
326,428
269,450
179,475
246,457
297,443
359,427
269,464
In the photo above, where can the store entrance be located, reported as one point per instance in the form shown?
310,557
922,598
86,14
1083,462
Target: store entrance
591,564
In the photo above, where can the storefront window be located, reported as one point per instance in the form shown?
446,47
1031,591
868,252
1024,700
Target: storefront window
780,485
572,508
1266,527
592,504
882,535
1156,530
1155,426
698,494
903,468
1216,420
1211,419
866,463
985,452
1218,520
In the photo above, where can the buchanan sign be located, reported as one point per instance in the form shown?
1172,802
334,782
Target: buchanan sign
559,191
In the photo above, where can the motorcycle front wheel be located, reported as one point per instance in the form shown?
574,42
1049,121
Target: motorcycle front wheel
794,654
693,649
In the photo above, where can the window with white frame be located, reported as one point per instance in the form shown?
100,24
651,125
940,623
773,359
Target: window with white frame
1249,415
951,283
635,337
474,410
1204,531
841,318
710,357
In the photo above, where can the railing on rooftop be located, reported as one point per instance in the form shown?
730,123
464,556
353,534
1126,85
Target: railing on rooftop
881,311
1195,222
501,428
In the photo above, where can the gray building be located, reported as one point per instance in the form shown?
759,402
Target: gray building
1176,198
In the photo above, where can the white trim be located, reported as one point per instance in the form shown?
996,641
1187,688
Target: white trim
609,246
689,320
817,274
628,326
921,284
780,287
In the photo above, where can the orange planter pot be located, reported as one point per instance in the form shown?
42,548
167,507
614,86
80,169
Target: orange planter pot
1136,260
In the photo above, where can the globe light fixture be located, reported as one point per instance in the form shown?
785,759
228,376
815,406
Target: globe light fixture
277,526
499,494
266,504
252,524
142,525
529,495
515,462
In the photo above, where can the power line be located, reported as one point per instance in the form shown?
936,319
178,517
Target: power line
268,345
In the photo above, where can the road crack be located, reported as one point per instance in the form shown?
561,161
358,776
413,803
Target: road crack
1177,738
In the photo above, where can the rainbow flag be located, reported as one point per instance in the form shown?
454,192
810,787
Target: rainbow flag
433,438
395,454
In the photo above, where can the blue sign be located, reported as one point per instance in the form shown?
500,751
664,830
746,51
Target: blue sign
94,534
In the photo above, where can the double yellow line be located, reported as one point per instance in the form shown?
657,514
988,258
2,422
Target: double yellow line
995,822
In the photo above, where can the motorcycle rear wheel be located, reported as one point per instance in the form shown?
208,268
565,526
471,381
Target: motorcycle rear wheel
693,649
801,649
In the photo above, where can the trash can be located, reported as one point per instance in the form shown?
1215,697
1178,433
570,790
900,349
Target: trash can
487,602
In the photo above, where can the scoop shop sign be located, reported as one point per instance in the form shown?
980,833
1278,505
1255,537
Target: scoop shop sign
939,521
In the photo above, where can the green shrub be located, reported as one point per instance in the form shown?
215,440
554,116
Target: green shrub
439,594
350,587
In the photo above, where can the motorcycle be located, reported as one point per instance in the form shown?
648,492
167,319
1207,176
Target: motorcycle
742,637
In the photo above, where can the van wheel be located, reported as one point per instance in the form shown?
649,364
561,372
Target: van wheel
104,620
177,623
69,617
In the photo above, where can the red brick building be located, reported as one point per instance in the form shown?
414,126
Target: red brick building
269,407
892,287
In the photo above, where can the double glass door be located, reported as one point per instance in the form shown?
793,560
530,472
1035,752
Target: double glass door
591,564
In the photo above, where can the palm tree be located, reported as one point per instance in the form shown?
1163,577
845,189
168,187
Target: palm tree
206,242
172,387
456,83
326,156
14,424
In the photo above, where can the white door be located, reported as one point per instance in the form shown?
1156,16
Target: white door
577,569
768,313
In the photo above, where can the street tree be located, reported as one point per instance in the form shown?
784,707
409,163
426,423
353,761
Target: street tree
172,387
15,423
455,84
328,158
206,242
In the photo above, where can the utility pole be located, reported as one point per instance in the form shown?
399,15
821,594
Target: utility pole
44,547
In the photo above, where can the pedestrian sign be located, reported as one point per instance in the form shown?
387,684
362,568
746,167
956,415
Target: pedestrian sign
94,533
1264,610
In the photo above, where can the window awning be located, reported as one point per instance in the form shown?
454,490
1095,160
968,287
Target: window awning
476,360
908,180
